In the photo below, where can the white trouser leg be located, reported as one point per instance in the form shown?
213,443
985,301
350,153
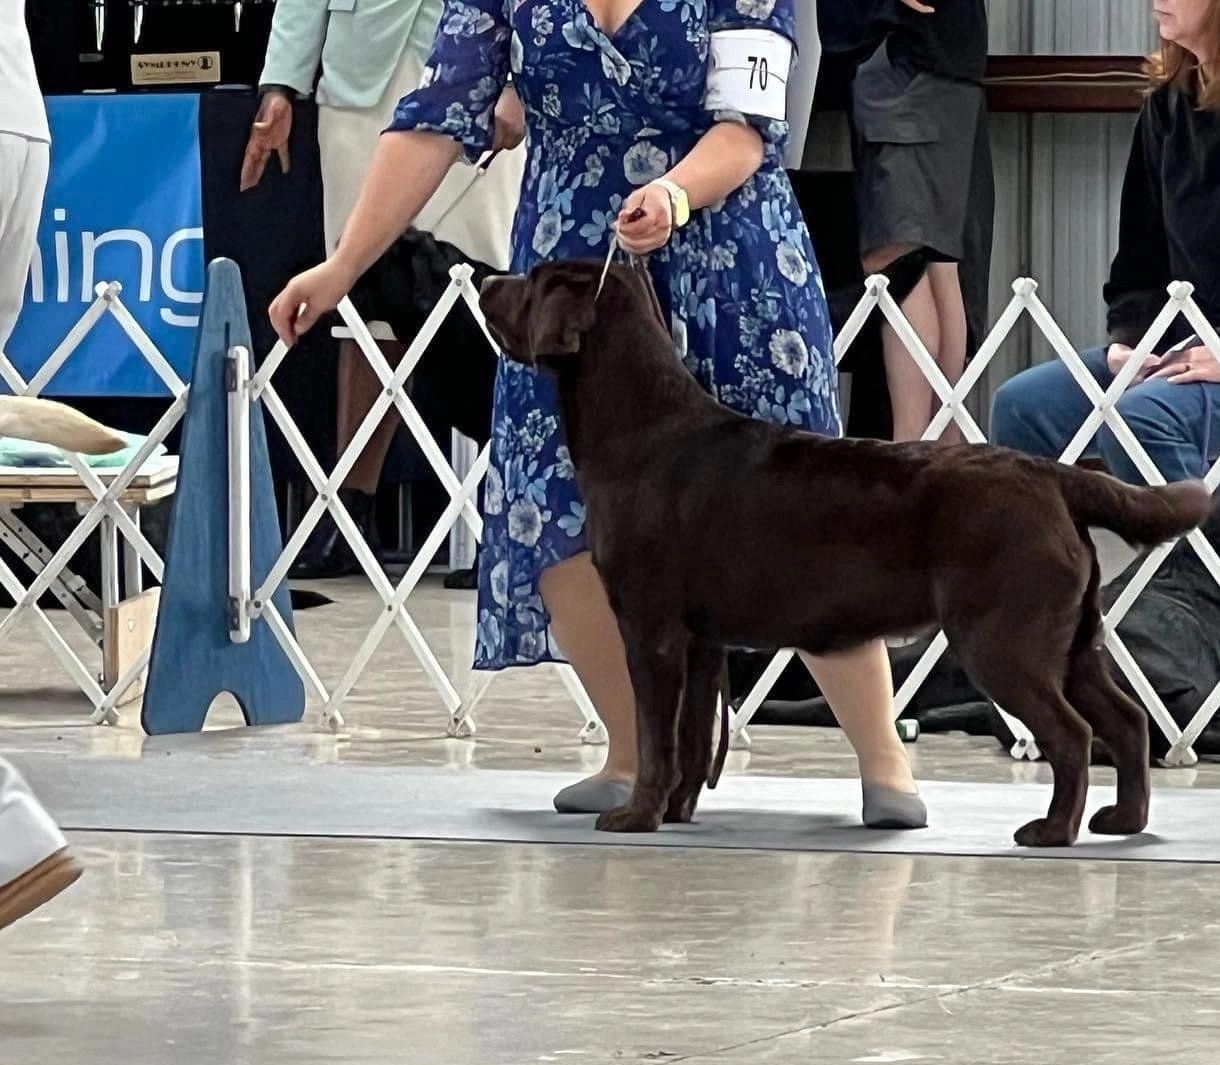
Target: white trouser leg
23,180
28,836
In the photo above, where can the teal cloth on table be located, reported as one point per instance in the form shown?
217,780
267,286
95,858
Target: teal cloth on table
26,454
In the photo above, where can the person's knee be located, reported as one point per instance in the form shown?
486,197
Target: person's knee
1038,411
1158,433
1011,406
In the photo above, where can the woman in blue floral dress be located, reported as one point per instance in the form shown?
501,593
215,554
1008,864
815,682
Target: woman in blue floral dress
614,93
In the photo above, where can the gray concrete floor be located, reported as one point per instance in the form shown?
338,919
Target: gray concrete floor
246,951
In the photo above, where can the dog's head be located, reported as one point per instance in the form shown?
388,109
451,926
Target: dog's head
542,317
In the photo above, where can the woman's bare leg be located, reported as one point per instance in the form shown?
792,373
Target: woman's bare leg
588,635
859,687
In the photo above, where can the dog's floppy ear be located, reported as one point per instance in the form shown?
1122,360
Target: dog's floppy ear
504,302
562,308
542,315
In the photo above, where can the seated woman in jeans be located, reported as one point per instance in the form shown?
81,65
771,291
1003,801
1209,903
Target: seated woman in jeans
1169,231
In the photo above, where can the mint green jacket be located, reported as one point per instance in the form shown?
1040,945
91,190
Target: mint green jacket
358,44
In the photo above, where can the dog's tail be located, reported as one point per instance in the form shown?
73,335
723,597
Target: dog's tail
1144,517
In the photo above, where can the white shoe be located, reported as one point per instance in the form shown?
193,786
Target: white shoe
35,864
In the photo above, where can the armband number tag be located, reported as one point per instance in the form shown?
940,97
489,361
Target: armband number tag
748,72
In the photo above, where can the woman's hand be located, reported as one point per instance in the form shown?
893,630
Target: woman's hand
510,121
270,133
1120,354
1192,366
307,297
646,221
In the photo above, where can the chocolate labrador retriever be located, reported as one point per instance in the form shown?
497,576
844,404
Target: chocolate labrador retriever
713,530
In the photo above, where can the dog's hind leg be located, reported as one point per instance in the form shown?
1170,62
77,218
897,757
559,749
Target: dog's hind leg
1016,669
1117,720
1122,726
1066,740
657,662
696,720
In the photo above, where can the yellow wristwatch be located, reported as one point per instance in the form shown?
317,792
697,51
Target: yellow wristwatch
679,202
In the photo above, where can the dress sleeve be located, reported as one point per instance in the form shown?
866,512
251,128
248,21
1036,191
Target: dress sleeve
466,72
1140,272
777,16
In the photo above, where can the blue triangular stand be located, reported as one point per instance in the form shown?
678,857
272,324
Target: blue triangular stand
193,660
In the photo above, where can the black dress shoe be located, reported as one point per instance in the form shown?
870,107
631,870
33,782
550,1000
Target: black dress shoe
326,553
463,580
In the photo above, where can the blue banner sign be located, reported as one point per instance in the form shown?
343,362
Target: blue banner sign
124,203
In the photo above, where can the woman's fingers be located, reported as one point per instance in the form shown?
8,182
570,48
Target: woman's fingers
644,224
286,314
642,243
1187,373
634,223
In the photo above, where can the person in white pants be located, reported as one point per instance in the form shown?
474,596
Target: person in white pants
35,864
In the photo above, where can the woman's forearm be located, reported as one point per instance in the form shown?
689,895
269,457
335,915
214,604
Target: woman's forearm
407,168
726,157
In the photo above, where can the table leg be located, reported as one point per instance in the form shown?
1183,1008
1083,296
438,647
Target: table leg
133,568
110,564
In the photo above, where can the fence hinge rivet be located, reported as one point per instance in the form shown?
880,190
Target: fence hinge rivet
389,608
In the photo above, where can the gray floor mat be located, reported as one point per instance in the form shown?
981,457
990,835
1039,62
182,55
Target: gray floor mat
190,794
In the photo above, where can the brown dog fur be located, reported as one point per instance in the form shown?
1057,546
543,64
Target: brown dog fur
713,530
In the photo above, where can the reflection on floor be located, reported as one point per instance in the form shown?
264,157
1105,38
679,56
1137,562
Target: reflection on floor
250,951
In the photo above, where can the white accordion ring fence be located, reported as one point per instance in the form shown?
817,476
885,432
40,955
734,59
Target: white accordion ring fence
462,493
1025,300
106,512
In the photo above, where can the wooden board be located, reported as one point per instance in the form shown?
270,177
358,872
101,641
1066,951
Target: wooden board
57,484
128,632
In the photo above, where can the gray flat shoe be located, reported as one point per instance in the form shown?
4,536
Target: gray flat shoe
594,795
887,808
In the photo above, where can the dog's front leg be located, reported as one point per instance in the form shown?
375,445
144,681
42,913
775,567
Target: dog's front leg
696,721
658,667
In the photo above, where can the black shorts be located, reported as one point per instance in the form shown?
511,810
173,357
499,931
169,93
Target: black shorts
922,158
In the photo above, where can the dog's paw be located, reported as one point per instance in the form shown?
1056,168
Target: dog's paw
1115,821
681,809
1044,833
628,819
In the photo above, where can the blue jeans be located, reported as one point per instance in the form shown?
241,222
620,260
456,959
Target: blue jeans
1040,410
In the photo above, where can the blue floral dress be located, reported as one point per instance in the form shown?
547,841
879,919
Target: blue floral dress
606,114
